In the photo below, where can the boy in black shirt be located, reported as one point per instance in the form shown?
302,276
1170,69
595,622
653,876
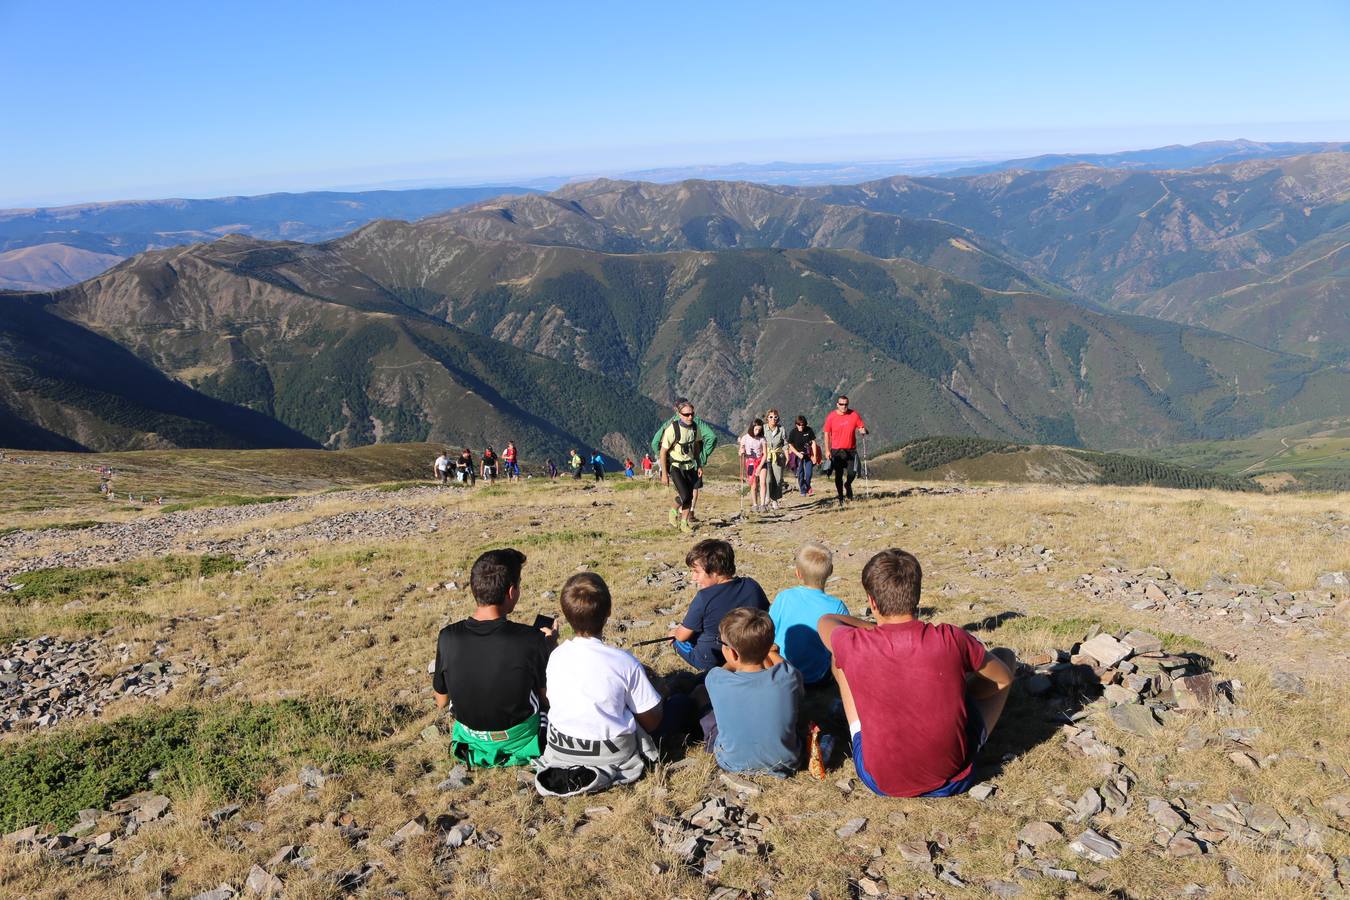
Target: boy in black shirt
491,670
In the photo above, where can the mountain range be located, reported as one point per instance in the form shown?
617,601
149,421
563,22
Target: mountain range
57,246
1077,306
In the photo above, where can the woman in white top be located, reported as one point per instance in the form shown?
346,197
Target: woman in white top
751,452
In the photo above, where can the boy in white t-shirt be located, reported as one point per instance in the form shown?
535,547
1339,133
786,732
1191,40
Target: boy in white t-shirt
602,707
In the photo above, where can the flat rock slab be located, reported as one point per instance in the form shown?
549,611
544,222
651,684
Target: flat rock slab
851,827
1142,642
1095,847
1105,649
1037,834
915,852
263,883
1134,718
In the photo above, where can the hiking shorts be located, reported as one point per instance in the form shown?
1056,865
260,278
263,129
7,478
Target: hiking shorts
976,735
684,479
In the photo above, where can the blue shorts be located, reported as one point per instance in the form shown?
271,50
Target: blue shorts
976,735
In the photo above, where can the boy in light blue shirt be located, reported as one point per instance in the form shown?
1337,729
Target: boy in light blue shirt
755,697
796,611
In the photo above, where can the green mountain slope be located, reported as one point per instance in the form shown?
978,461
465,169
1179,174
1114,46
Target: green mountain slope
63,387
1252,248
345,367
740,330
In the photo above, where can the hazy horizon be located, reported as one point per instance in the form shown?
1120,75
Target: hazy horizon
336,96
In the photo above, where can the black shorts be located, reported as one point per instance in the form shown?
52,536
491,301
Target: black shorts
684,479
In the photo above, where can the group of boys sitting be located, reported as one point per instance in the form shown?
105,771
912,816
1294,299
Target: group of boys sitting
926,696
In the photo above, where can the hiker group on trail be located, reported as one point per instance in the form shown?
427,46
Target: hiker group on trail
765,453
914,702
682,446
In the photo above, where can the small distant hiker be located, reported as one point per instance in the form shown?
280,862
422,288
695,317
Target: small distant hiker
574,463
441,467
647,467
841,428
489,465
750,449
775,459
511,465
628,465
598,466
805,452
551,468
465,473
683,446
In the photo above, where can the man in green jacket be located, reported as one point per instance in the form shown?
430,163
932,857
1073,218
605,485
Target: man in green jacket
683,445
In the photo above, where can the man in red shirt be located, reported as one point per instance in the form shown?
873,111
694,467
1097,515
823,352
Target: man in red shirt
926,696
842,425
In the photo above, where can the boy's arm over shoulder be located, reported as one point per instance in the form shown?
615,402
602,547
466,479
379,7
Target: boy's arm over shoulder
829,623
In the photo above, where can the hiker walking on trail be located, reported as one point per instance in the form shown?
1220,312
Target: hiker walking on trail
750,450
775,458
464,470
647,467
511,465
683,446
489,465
574,463
441,467
841,428
598,466
803,450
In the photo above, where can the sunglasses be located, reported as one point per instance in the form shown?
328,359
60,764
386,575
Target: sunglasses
687,415
841,405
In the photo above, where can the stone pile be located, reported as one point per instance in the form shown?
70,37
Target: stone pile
94,837
1131,682
1222,599
45,680
1030,558
711,833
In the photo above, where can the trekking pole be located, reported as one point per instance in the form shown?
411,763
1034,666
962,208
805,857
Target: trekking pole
660,640
867,473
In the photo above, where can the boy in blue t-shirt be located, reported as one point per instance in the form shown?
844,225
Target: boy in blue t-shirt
755,696
712,567
795,612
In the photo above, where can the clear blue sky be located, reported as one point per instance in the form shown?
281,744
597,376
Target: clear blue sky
105,100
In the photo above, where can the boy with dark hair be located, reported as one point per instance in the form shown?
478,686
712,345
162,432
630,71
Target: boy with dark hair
796,610
490,670
927,696
754,695
602,707
712,568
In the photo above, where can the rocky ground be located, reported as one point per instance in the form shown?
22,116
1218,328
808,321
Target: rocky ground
1193,744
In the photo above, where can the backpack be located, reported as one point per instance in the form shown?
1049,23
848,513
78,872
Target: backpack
703,441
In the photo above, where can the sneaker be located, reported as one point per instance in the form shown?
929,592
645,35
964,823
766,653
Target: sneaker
686,526
773,504
810,492
673,518
841,502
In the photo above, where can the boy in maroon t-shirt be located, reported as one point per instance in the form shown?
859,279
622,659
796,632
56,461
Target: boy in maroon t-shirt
926,696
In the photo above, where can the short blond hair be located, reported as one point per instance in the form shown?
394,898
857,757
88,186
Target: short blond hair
815,564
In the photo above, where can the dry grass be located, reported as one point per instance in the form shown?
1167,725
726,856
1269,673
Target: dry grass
359,618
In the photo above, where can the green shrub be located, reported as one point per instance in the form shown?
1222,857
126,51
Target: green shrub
60,584
227,750
931,452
